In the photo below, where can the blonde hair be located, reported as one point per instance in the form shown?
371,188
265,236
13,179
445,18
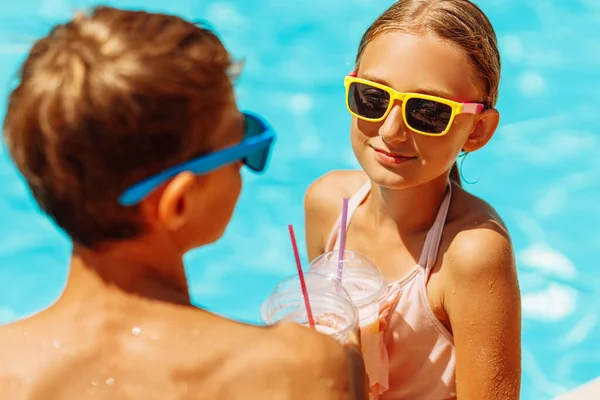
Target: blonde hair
108,99
459,22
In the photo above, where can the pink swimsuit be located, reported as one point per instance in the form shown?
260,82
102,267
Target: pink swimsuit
420,350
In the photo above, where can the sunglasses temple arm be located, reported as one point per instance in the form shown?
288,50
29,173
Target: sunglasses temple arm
472,108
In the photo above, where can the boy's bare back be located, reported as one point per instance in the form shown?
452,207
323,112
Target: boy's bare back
134,349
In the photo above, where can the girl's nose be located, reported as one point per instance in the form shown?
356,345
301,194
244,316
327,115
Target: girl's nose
393,130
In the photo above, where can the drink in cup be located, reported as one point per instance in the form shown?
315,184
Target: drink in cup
366,287
332,309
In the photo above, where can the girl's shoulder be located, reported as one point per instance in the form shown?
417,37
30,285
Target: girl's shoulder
469,212
323,205
477,240
325,194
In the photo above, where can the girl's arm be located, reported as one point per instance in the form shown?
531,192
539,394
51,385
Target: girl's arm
313,220
322,205
483,304
318,213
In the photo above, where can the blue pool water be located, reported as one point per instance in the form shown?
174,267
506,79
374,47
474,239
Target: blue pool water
540,171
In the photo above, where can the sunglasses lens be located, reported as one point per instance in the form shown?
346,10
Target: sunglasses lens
427,115
256,160
367,101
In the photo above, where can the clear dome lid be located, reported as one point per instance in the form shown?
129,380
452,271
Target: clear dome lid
359,275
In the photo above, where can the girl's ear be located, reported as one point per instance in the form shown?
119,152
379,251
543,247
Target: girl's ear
483,130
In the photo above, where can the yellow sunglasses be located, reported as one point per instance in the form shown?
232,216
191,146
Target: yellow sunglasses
424,114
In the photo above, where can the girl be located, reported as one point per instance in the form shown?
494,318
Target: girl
423,90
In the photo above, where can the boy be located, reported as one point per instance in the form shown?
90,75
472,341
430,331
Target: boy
126,129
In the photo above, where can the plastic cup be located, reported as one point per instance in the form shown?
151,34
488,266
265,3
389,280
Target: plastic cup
366,287
332,308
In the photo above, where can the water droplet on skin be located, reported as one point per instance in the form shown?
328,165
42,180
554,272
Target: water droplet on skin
56,344
110,381
136,330
94,383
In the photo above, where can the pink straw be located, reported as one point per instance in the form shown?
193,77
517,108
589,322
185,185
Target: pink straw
343,223
311,321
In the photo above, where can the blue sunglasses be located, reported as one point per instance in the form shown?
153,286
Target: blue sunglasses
253,151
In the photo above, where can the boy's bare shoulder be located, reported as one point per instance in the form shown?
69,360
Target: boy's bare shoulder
292,362
298,339
23,353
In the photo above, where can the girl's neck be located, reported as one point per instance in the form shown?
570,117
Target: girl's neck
409,210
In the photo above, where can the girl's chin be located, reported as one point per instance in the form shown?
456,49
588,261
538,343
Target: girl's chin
389,179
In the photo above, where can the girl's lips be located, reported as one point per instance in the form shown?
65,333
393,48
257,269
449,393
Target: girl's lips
391,158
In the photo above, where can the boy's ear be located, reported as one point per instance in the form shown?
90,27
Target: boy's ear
174,203
483,130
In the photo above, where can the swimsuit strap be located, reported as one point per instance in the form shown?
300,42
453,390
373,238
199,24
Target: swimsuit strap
434,236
